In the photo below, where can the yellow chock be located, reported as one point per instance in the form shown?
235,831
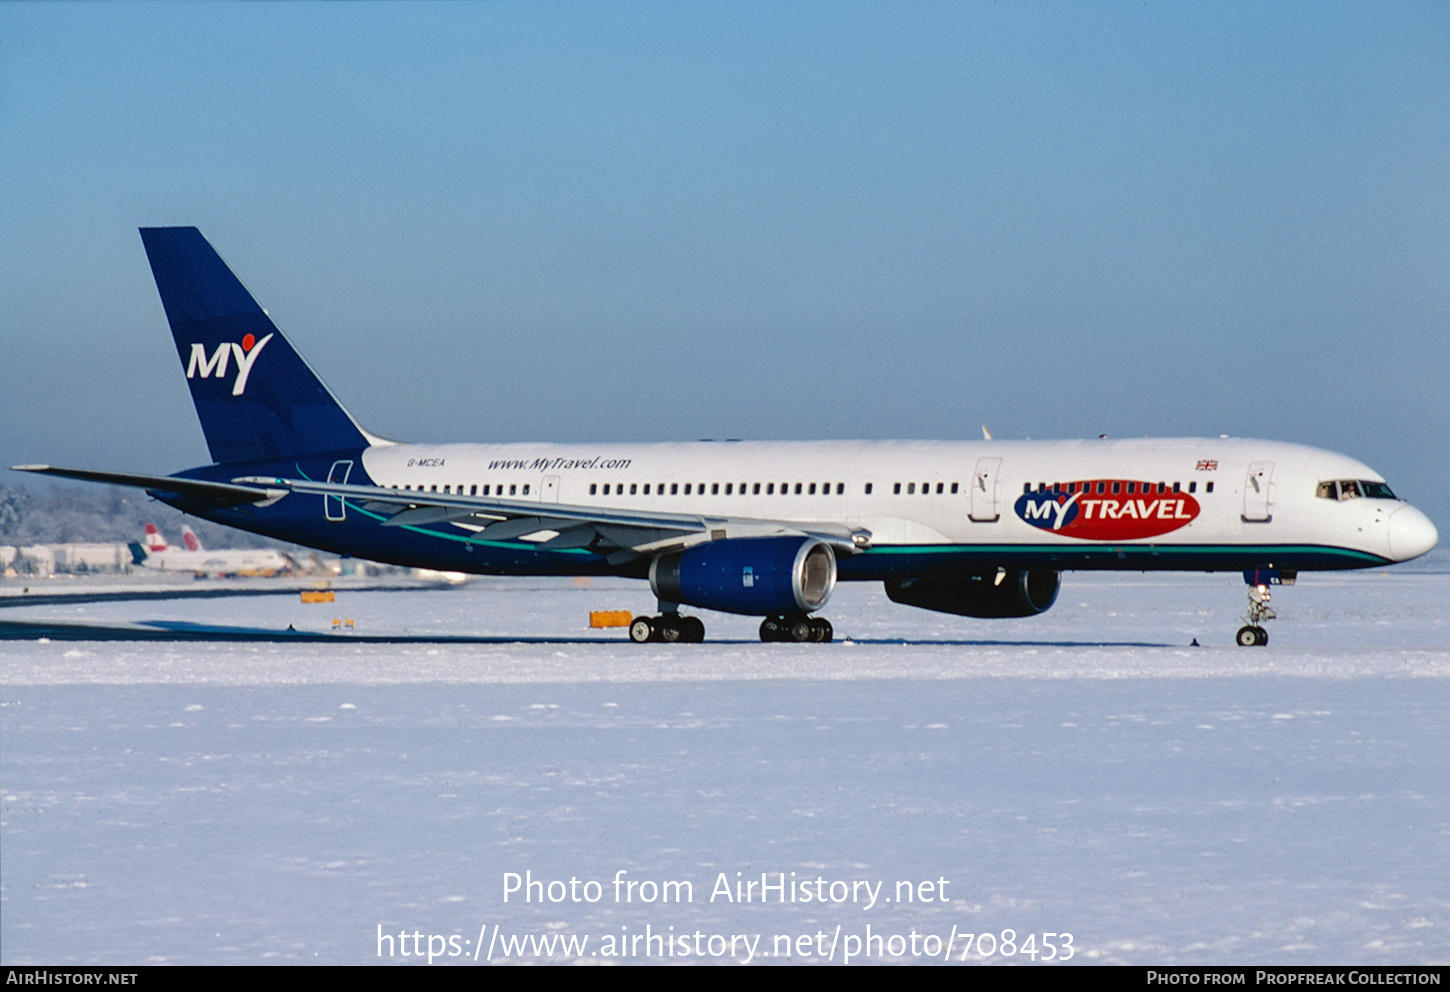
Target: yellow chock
314,596
610,618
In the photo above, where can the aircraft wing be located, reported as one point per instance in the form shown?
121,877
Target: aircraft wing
218,493
618,534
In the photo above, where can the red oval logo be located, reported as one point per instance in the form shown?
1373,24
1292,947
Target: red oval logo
1107,509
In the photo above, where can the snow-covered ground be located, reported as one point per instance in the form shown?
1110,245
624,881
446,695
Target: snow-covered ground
1085,772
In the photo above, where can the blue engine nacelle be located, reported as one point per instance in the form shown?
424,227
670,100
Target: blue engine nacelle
756,576
1014,593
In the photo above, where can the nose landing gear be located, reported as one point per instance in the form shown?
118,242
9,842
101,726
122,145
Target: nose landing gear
1253,634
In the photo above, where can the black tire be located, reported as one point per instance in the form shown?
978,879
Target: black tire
1248,637
641,629
827,631
693,629
1263,636
770,631
670,630
800,631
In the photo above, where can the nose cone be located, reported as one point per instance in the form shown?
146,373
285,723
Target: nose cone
1411,534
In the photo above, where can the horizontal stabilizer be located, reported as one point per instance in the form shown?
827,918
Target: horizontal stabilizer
217,493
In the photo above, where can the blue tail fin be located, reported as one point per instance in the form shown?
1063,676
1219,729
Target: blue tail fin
256,397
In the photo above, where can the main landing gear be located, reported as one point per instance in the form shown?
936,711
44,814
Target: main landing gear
672,628
797,627
1252,634
669,628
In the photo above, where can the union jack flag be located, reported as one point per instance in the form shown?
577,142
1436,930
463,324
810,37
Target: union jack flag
1206,465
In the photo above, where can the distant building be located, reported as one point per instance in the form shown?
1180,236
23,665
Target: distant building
56,559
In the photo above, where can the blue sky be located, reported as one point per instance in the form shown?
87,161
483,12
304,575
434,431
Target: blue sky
666,221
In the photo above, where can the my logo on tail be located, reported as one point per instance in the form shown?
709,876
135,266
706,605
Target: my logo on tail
246,354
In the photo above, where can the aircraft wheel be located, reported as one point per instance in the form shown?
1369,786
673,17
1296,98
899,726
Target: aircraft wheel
824,630
692,629
671,630
642,630
1250,637
800,630
1263,636
770,630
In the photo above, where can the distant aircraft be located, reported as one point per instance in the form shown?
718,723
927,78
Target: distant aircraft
978,529
157,554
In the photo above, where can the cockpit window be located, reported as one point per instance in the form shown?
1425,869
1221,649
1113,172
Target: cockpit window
1342,489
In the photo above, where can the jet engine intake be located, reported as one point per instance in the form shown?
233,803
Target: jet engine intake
758,576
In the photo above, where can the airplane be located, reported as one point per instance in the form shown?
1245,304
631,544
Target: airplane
157,554
762,529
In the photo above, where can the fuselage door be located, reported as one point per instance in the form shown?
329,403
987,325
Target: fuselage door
1257,497
984,491
549,493
333,507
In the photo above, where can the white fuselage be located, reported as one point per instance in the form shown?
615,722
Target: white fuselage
912,493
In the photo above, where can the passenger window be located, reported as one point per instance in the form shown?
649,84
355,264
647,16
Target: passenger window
954,488
868,489
1208,488
633,488
911,489
593,488
526,488
896,489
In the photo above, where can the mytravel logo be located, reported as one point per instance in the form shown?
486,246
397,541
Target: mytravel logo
1107,509
216,366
